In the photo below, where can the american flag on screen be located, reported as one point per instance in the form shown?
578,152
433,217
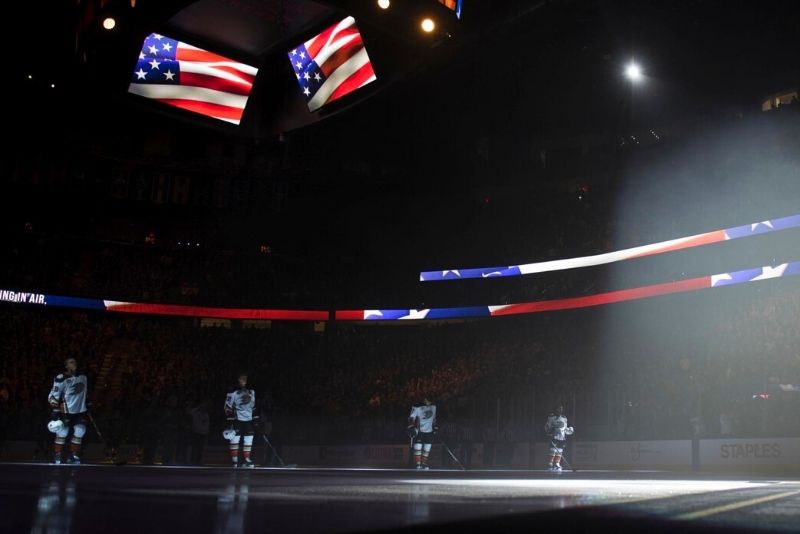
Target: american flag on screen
332,64
184,76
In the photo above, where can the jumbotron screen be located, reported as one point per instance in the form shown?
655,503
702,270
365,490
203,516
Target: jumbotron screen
332,64
454,5
181,75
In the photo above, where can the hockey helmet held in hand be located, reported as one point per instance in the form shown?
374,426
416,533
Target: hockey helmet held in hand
55,425
412,431
228,434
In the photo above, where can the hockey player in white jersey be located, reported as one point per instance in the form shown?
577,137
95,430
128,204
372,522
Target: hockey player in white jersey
556,428
67,401
421,427
239,406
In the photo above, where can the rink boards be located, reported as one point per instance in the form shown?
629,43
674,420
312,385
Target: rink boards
769,455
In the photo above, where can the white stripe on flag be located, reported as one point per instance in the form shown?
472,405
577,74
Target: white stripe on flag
344,23
599,259
182,92
337,77
232,121
368,80
210,70
331,48
247,69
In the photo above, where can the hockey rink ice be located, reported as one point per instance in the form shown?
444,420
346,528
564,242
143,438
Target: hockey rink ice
105,498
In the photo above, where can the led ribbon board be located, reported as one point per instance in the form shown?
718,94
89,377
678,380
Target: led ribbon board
41,299
598,299
682,243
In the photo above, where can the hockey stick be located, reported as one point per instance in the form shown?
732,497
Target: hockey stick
275,452
94,425
564,459
569,466
278,456
453,456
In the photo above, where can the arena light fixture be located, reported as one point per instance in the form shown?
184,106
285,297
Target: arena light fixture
109,23
384,4
633,72
427,25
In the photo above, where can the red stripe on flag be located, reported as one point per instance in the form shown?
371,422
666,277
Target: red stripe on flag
213,82
353,82
205,108
320,40
692,284
700,240
349,315
236,72
341,56
190,54
223,313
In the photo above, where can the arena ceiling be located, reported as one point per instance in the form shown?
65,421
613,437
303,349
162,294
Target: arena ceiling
505,56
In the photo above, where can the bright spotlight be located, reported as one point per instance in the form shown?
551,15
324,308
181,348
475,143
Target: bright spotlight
428,25
633,72
384,4
109,23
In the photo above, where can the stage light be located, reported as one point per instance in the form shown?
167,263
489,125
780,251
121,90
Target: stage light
30,76
633,72
52,86
427,25
109,23
384,4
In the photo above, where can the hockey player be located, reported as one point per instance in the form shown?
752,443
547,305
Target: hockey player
68,404
556,428
421,427
239,406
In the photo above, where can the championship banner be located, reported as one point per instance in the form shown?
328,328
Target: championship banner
682,243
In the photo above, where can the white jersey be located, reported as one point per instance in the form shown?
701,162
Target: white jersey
69,392
556,427
241,403
426,415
